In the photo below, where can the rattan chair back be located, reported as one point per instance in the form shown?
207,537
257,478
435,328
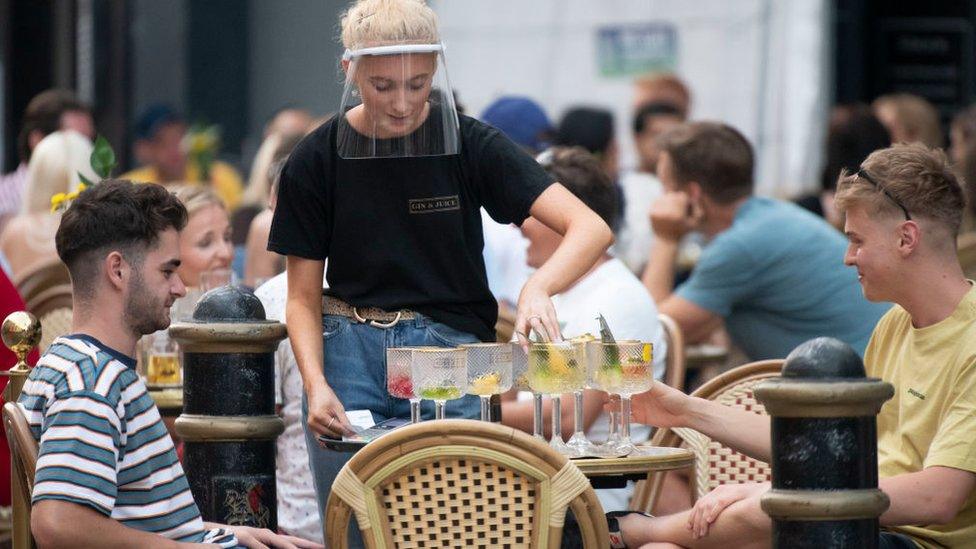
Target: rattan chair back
505,325
461,483
716,463
46,290
23,450
674,364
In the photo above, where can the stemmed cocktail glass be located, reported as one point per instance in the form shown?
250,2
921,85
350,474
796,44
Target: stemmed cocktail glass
489,371
578,442
554,369
399,378
520,380
439,375
624,368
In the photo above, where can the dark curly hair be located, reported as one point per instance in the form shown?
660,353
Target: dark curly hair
114,215
583,175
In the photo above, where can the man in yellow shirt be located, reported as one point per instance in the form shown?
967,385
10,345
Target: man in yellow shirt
904,208
162,149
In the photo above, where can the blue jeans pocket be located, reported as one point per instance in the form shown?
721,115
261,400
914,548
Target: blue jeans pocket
333,325
447,336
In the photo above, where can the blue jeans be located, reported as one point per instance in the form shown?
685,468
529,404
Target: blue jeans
355,368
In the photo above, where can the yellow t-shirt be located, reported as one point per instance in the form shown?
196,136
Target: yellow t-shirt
931,420
224,178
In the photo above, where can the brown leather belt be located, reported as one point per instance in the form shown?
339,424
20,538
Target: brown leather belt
373,316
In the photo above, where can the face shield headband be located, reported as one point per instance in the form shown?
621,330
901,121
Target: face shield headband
397,102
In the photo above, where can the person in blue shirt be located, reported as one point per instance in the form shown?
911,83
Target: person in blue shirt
773,272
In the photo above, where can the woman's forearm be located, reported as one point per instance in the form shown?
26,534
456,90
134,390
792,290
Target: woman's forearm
303,311
587,238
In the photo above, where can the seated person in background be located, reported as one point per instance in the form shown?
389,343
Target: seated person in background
49,111
298,512
663,88
261,264
160,133
909,118
641,186
608,288
772,271
107,473
903,212
28,239
962,152
852,134
592,128
284,122
205,246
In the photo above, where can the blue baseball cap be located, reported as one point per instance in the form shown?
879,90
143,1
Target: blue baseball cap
522,120
153,118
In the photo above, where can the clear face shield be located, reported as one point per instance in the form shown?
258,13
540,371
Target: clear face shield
397,103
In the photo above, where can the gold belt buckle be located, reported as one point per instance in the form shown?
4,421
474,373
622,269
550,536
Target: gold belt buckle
376,323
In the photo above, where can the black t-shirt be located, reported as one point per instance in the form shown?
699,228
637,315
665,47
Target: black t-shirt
405,233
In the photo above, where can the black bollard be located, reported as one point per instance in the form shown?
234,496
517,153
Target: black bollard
824,448
229,425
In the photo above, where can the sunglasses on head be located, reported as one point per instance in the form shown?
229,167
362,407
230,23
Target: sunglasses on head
863,174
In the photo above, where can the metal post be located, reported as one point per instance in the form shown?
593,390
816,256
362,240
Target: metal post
21,332
229,425
824,448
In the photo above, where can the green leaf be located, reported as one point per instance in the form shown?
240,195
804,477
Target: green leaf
103,158
85,180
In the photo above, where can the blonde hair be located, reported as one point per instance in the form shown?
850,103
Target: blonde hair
916,115
378,22
913,175
196,197
54,167
259,182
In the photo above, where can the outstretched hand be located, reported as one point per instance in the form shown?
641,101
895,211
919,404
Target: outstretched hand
661,406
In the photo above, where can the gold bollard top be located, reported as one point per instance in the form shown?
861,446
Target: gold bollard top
21,332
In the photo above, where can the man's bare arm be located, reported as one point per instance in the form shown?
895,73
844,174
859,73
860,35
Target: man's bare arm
743,431
934,495
59,524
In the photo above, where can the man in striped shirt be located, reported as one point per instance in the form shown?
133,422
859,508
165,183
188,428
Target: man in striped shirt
107,472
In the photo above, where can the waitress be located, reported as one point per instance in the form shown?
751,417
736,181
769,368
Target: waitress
389,191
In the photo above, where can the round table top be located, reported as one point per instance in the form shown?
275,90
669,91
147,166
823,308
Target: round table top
648,459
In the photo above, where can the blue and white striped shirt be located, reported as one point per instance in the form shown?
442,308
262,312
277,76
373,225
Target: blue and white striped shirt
104,445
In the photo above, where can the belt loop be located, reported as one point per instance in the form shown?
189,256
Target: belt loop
419,320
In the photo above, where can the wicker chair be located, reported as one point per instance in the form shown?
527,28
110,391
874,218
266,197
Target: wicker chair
46,290
505,325
23,454
461,483
675,365
715,463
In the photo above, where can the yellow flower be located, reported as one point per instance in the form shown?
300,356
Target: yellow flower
56,201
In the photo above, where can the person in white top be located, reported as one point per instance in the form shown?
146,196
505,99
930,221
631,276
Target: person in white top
608,288
298,512
641,186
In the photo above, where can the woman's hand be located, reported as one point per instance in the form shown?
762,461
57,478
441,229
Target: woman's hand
262,538
661,406
708,508
326,415
535,312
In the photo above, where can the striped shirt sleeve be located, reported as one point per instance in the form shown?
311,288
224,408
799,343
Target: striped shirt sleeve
79,450
222,538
